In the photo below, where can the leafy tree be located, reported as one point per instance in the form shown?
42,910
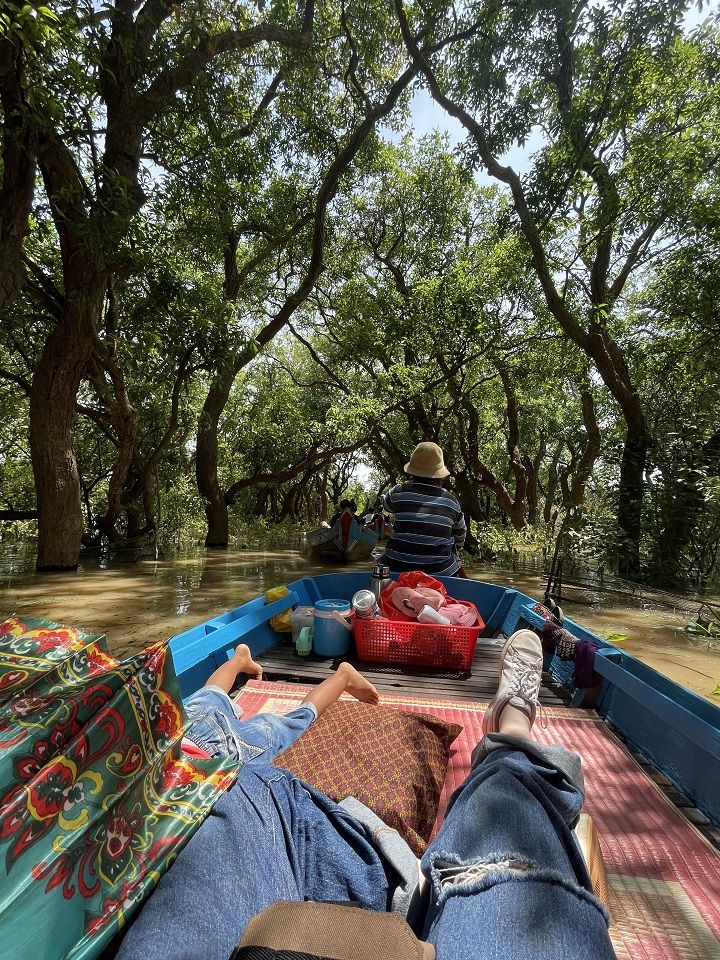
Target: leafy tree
422,318
677,311
628,111
108,77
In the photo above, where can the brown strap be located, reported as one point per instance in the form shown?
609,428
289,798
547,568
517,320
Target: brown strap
335,931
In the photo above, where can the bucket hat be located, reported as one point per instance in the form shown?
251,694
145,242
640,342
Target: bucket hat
427,461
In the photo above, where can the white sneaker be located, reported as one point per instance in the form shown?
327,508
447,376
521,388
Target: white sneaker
521,663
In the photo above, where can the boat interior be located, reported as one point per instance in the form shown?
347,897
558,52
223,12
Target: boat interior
650,749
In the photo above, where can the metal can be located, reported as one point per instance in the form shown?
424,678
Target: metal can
364,603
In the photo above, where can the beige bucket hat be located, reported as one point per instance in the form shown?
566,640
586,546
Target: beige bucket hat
427,461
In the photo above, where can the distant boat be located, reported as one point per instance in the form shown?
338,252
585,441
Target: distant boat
343,542
381,526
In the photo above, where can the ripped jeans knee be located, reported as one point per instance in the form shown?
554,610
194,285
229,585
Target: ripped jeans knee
506,906
457,875
450,876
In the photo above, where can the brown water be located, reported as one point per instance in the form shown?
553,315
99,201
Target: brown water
137,603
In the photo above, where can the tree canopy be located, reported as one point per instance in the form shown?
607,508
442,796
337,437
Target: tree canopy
231,273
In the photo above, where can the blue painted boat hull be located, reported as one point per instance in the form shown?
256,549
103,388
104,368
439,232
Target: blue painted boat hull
678,731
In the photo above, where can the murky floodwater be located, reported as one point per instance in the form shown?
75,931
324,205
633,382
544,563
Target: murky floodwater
137,603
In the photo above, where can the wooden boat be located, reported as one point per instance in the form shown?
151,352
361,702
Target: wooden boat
342,543
675,730
663,868
650,749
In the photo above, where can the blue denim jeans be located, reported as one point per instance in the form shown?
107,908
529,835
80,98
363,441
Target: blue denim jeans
218,729
269,837
506,877
508,881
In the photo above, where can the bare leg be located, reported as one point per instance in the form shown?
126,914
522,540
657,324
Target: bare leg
515,723
241,662
345,680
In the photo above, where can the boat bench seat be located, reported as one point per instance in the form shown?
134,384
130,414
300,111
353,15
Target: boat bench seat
216,643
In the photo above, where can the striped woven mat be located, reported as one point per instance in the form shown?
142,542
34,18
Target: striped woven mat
664,876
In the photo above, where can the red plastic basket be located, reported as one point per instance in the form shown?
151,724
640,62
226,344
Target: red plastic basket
419,644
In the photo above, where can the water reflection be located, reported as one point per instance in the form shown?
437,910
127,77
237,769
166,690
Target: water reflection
137,603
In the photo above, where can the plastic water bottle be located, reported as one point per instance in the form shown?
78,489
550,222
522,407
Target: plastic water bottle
429,614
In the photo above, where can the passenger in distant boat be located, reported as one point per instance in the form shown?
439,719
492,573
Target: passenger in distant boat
217,728
429,526
375,519
504,879
346,508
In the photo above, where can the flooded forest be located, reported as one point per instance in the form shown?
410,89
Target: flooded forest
251,255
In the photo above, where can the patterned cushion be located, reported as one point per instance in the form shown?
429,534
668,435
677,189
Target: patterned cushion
392,761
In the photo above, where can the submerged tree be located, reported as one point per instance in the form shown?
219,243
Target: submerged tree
90,126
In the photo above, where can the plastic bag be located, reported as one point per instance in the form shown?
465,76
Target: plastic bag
281,622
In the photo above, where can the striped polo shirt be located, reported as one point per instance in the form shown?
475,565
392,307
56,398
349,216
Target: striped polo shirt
428,529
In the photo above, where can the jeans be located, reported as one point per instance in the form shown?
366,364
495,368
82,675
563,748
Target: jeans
506,877
269,837
508,881
218,729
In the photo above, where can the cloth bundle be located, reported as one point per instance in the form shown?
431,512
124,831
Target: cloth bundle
404,599
565,646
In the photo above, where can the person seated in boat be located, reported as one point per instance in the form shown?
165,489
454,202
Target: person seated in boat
218,730
503,878
429,526
359,520
346,508
375,519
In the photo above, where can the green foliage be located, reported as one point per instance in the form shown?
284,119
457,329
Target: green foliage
182,512
428,321
27,24
16,480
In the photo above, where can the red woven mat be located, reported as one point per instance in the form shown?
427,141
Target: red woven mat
664,876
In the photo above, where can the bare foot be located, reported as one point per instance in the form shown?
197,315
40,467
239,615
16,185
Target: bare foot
357,686
244,663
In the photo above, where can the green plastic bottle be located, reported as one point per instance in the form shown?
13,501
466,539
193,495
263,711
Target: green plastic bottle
303,644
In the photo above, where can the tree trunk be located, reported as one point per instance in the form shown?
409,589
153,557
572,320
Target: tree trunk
630,499
261,499
467,491
17,184
122,416
552,483
134,520
206,463
52,428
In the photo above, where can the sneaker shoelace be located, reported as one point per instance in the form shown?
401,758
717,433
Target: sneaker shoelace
525,684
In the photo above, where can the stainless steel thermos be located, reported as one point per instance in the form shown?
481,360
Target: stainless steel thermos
379,579
364,603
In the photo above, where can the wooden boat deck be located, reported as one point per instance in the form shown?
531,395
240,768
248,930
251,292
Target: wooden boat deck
282,663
